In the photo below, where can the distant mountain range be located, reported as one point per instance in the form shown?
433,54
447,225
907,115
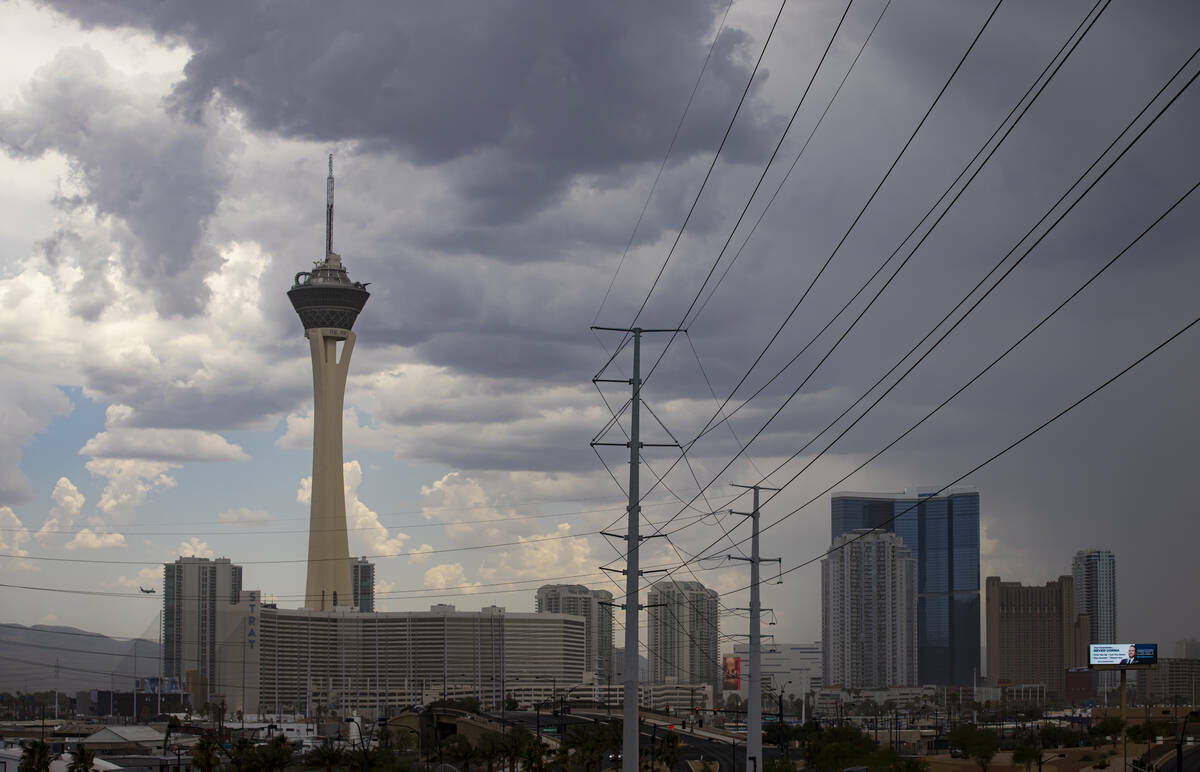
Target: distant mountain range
84,660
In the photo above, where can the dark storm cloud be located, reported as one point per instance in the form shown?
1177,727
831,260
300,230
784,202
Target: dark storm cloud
160,179
516,109
523,95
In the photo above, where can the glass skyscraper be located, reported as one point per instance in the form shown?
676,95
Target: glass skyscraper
1095,573
943,535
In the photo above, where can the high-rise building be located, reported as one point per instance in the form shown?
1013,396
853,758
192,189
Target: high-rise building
362,577
1034,634
1095,575
942,533
328,304
595,606
683,632
1176,681
1187,648
194,589
869,612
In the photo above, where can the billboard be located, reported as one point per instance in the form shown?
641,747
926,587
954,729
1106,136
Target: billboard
731,674
1119,655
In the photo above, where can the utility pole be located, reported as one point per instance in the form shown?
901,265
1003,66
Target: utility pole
629,730
754,739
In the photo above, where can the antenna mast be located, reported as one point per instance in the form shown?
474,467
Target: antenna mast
329,209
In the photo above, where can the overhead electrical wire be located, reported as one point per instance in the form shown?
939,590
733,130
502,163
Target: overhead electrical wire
662,166
995,361
878,187
723,417
1008,447
1049,212
703,183
406,554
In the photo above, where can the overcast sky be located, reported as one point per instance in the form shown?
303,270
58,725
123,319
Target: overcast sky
163,167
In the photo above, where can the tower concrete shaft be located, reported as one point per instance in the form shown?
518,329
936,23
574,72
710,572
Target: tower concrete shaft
329,582
328,304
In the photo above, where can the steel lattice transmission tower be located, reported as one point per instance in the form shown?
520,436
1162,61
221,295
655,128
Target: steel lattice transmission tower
328,304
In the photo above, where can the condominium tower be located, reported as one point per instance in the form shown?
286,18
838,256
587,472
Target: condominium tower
194,592
1095,575
683,633
595,606
942,532
869,612
362,578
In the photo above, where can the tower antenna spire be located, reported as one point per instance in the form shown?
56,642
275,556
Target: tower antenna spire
329,209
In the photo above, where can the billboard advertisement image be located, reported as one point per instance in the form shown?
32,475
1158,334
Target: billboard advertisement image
731,674
1123,654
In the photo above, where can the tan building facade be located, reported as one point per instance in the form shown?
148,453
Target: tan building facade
302,661
1176,681
1033,633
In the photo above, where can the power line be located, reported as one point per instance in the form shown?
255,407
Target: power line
708,174
709,425
409,553
787,175
1011,268
846,235
1007,448
249,526
993,363
663,165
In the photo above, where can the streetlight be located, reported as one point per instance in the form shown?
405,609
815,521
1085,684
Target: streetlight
782,740
1179,739
362,740
388,727
1043,759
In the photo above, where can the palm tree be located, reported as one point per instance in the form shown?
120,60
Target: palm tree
1026,755
82,760
277,755
519,738
490,749
667,751
535,755
204,754
35,757
243,755
459,750
327,757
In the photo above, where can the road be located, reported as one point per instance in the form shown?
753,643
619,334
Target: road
693,747
1191,761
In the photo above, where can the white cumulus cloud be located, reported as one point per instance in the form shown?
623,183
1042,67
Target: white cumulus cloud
449,575
172,445
367,534
13,534
129,482
87,539
68,504
193,547
244,516
148,577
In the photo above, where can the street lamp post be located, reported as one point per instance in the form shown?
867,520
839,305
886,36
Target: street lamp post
1179,739
1044,759
387,727
782,740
